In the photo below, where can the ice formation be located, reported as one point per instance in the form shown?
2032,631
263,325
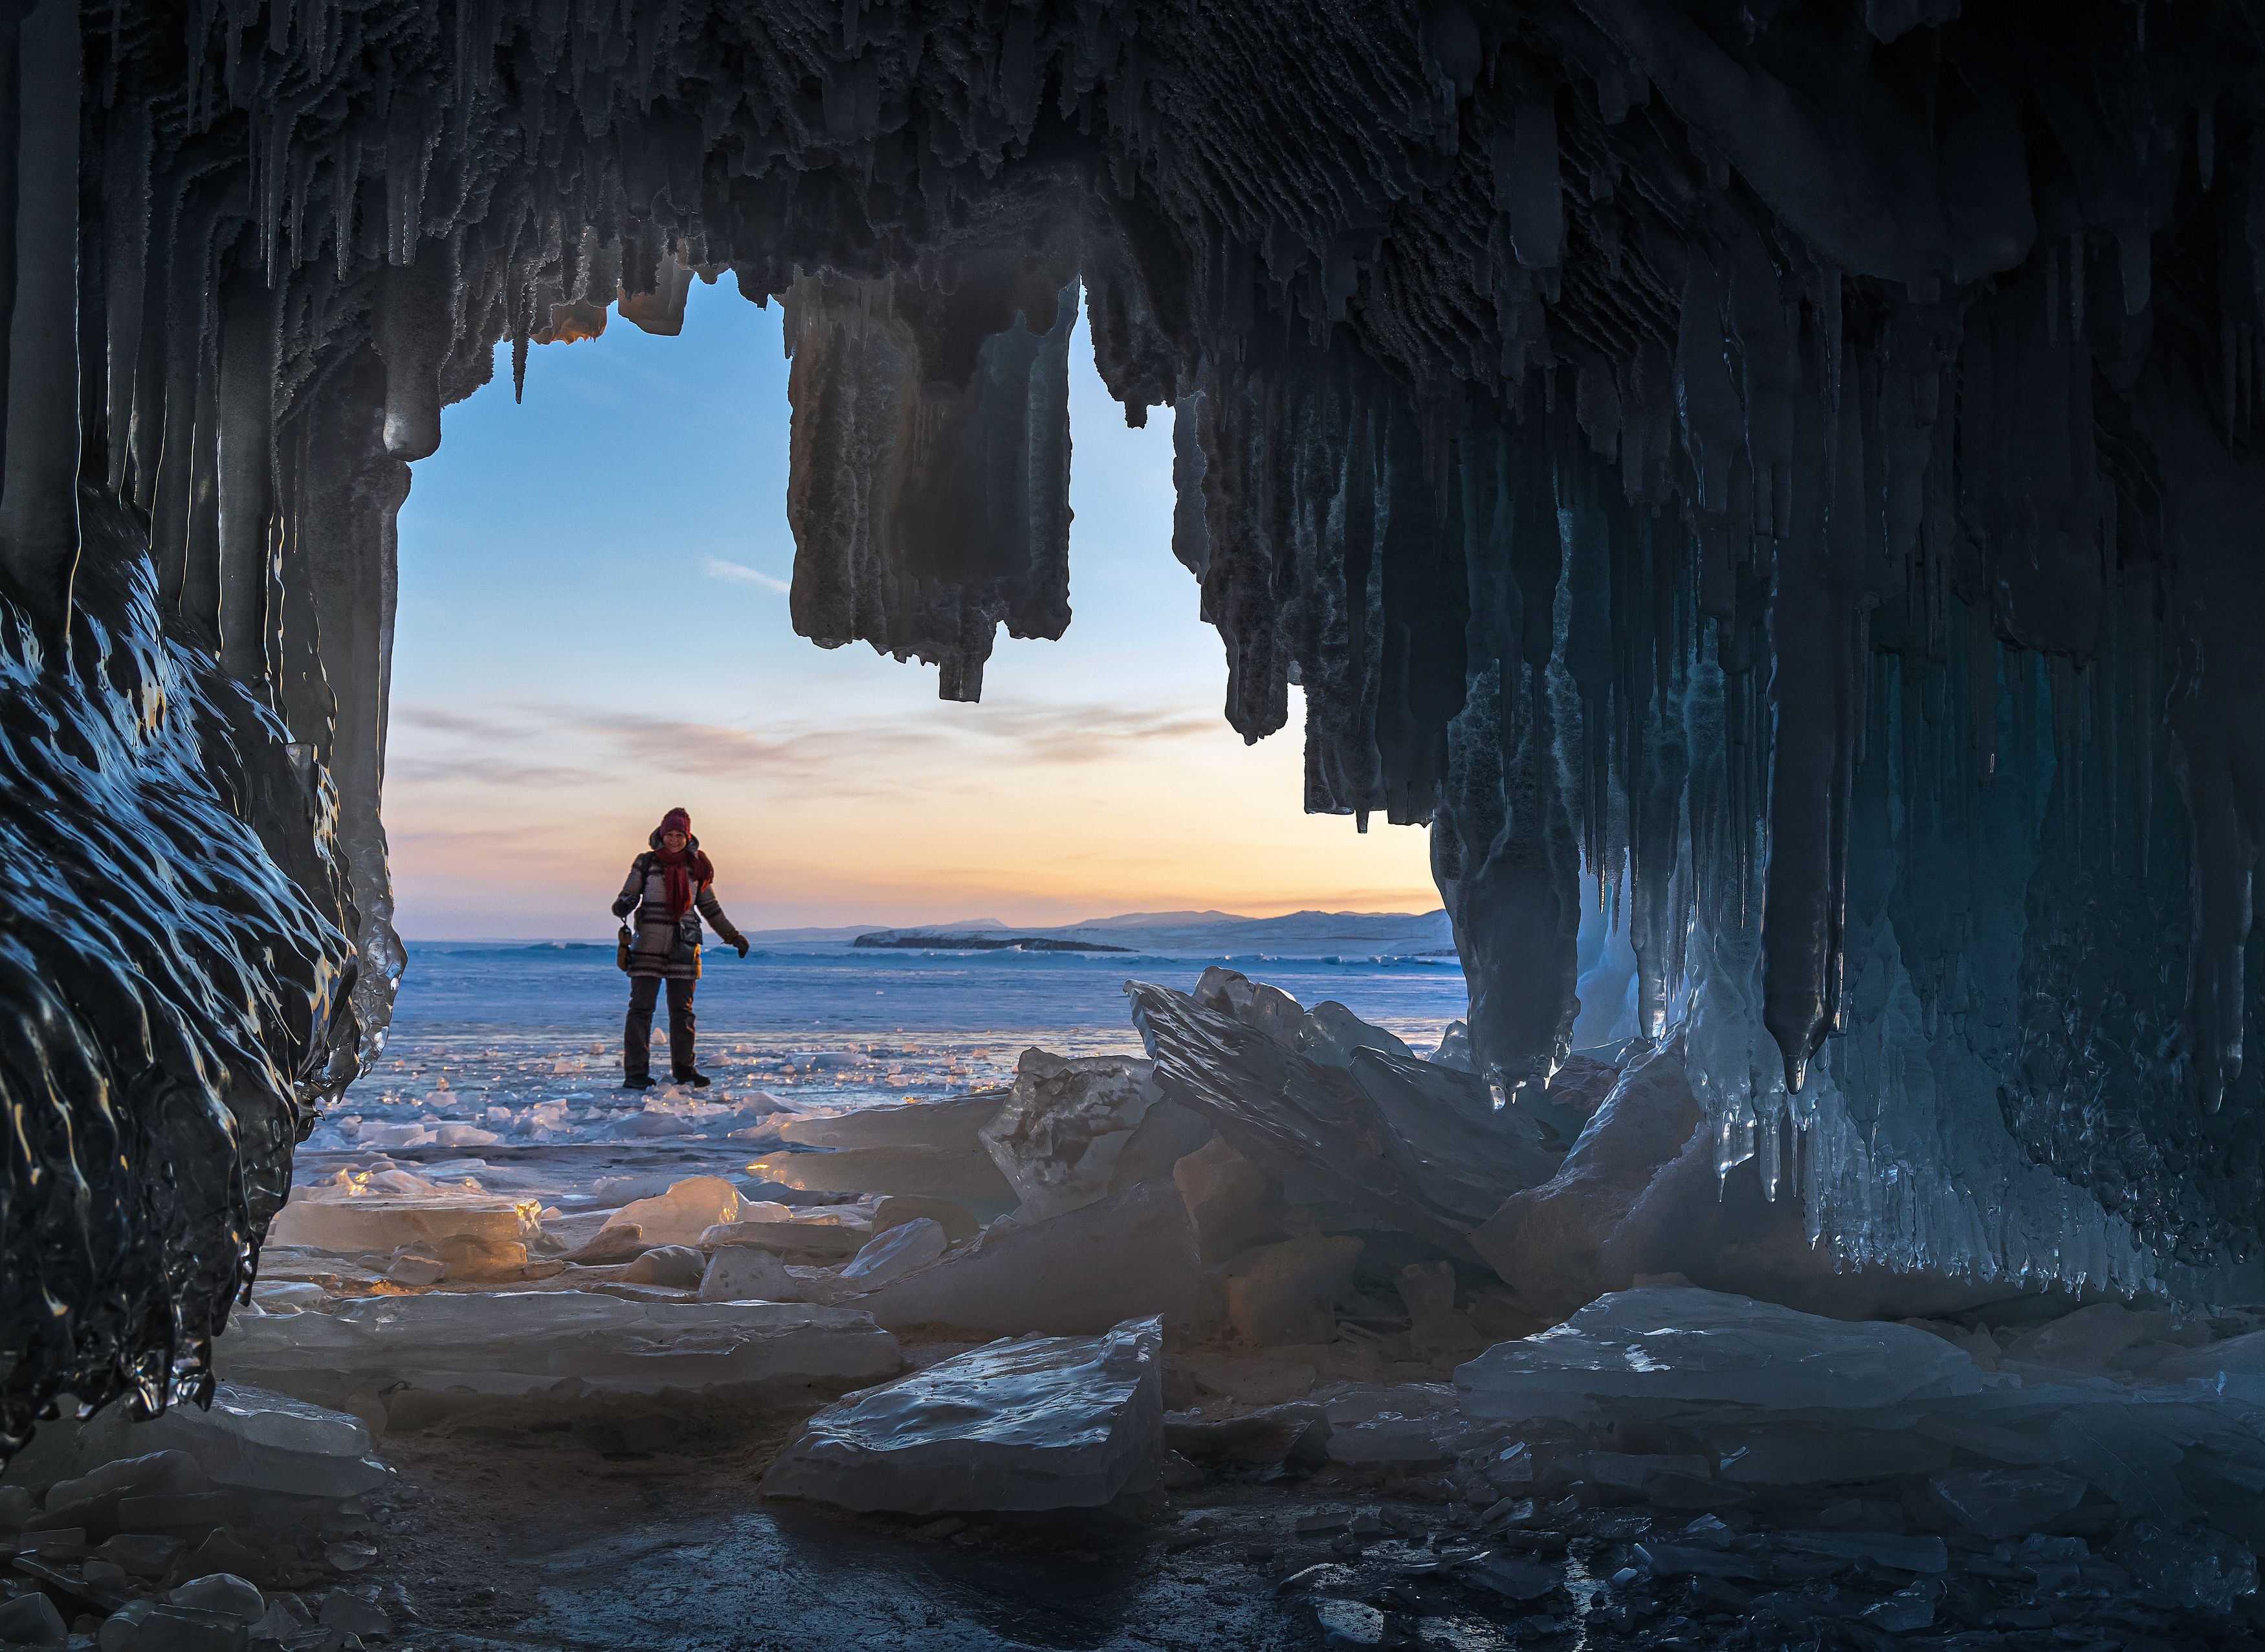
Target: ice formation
530,1342
1032,1423
1791,462
1076,1130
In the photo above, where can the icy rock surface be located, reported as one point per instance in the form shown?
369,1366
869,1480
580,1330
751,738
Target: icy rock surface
520,1343
1074,1131
1795,467
1033,1424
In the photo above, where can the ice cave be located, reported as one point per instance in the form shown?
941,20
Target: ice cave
1774,479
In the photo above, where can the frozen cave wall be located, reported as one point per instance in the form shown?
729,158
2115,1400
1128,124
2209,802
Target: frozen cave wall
1797,460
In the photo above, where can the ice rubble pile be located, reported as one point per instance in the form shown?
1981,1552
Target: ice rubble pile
1135,1210
1029,1424
217,1529
1343,1127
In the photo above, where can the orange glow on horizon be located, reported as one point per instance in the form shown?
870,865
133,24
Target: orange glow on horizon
1025,823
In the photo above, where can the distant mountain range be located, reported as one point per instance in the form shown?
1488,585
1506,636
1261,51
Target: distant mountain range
1196,933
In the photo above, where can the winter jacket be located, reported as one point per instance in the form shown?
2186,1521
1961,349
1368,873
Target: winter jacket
664,947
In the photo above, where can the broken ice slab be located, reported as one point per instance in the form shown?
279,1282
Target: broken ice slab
1328,1034
32,1620
931,1149
519,1342
2091,1338
1511,1577
1073,1130
1406,1426
741,1273
680,1215
1034,1423
816,1243
2234,1367
2005,1502
1404,1142
679,1267
1295,1433
1672,1349
892,1255
1130,1255
957,1220
251,1440
378,1214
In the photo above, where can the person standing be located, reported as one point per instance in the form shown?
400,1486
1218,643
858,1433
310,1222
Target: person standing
671,889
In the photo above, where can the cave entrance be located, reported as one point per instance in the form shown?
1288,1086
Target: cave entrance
594,626
593,622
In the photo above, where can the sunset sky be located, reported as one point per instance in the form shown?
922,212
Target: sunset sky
593,627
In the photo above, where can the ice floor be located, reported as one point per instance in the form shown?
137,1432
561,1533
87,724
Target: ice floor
898,1343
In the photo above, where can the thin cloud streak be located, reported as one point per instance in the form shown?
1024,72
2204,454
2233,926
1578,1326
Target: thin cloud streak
740,573
580,746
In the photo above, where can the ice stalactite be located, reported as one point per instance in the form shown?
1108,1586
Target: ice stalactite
1792,464
930,449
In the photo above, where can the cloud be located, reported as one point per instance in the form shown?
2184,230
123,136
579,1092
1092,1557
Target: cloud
740,573
565,756
483,768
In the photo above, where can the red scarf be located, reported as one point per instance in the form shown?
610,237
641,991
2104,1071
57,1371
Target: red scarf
686,871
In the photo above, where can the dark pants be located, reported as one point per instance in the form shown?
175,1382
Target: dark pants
637,1033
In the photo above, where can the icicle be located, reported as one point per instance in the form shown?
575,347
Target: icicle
39,485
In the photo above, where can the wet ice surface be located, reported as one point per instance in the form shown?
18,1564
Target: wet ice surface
504,1064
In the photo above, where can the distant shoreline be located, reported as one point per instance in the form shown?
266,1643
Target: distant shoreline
982,943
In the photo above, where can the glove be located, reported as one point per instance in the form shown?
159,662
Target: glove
742,944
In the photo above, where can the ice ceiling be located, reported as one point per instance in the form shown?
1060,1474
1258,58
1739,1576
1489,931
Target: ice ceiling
1799,460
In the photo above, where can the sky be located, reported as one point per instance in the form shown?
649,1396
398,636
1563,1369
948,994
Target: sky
594,627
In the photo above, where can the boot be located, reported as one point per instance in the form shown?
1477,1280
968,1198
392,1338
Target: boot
697,1081
637,1081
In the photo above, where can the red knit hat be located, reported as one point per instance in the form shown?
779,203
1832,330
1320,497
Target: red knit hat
676,820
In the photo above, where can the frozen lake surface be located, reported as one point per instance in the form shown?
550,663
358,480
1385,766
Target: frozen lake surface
504,1061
